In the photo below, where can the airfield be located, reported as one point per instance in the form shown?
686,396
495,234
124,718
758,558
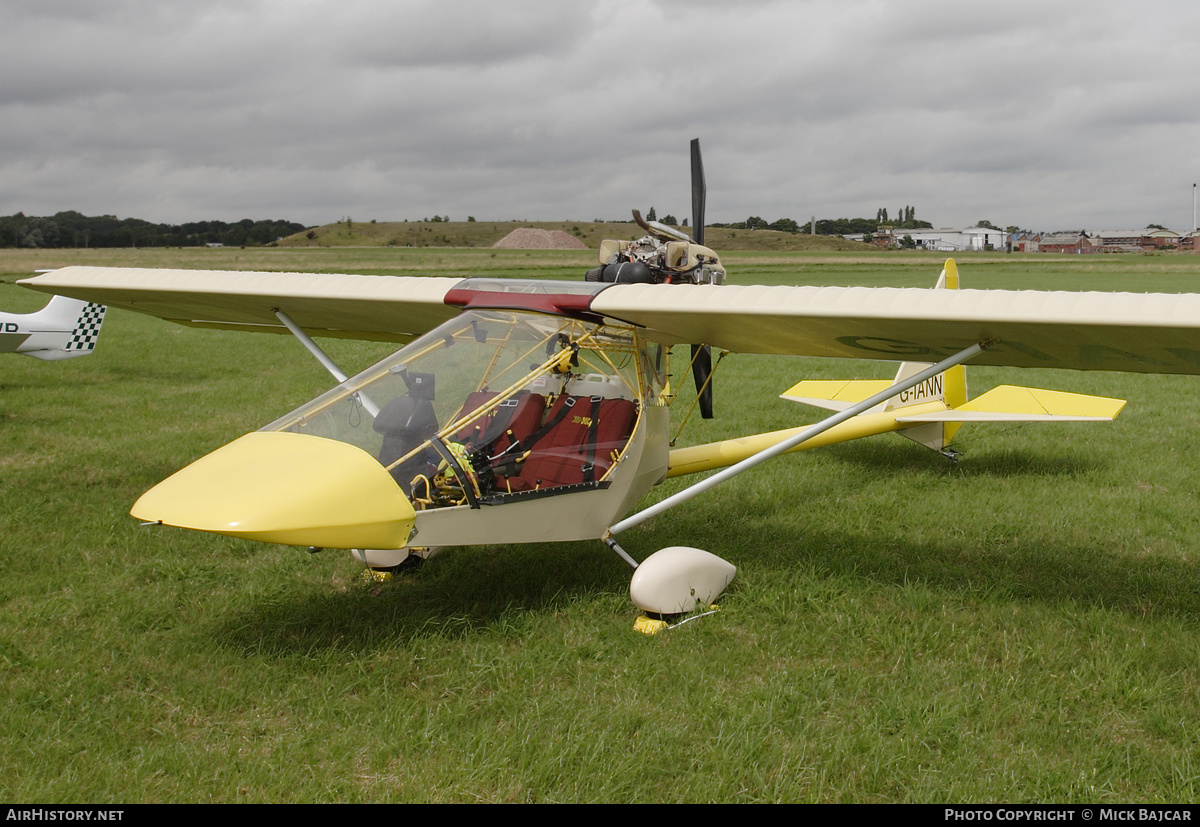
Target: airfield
1023,626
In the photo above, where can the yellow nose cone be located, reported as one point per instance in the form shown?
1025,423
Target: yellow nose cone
281,487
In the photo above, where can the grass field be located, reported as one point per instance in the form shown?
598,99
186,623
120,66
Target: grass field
1023,626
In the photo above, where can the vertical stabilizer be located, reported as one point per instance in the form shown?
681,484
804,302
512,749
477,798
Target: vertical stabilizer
956,378
949,387
63,329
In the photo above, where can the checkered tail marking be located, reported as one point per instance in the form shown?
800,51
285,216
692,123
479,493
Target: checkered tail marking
87,328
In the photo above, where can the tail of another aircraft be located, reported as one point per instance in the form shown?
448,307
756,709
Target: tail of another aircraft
63,329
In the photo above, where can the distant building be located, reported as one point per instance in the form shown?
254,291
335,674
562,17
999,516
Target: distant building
1159,239
947,240
1106,241
1025,242
1071,242
1116,241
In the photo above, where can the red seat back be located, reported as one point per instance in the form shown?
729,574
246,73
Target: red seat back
578,442
513,420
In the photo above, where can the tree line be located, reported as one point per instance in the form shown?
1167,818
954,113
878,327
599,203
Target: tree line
906,219
73,229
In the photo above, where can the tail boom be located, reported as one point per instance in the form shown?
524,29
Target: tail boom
715,455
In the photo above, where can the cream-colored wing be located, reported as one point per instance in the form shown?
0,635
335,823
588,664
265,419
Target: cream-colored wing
1139,332
378,308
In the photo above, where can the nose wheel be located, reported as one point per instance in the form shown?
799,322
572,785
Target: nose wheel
392,561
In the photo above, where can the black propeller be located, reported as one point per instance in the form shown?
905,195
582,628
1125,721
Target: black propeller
698,193
701,354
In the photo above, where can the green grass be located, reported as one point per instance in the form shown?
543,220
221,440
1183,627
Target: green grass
1023,626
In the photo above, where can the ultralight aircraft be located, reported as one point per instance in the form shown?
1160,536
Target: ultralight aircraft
528,411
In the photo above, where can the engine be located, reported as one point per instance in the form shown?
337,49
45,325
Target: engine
655,259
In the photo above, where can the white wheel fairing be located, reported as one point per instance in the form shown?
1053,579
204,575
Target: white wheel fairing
674,579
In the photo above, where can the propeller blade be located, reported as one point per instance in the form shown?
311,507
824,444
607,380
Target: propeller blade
698,193
701,354
701,372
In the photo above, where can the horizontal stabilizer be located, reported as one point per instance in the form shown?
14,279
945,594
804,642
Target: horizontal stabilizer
1009,403
835,394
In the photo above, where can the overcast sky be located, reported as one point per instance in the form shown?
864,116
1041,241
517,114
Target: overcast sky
1046,115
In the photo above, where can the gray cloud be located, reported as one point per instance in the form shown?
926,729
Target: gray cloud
1045,116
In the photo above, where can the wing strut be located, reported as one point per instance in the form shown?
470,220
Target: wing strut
782,447
323,358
